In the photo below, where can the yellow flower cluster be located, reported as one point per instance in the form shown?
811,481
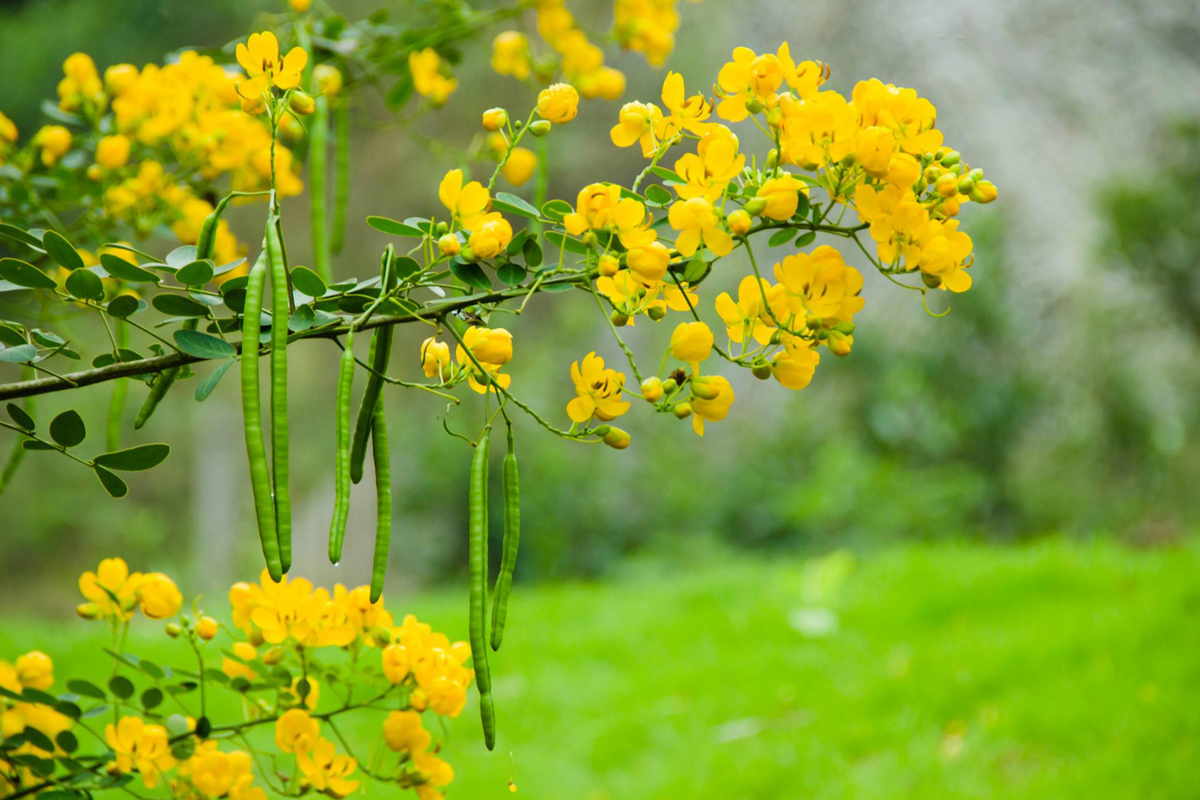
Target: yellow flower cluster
293,611
114,593
647,27
431,75
33,670
434,664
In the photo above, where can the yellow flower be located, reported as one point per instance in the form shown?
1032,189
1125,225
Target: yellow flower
8,129
598,390
794,366
748,77
521,164
646,26
435,771
687,113
449,245
818,131
119,77
55,141
396,664
649,261
296,731
510,54
403,732
558,103
782,195
435,358
236,669
692,342
492,347
945,253
595,208
112,579
139,747
35,670
300,6
636,123
806,77
873,149
739,222
491,235
259,57
493,120
606,82
821,284
748,317
468,204
910,117
206,628
80,84
112,151
696,221
216,774
327,771
714,409
428,76
158,596
709,170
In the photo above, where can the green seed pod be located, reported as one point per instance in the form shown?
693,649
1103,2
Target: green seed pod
761,371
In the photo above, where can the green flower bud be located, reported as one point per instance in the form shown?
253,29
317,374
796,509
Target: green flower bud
540,127
761,371
753,105
951,158
467,254
670,385
756,206
173,630
617,439
619,319
932,281
682,411
656,313
652,389
845,327
601,430
966,185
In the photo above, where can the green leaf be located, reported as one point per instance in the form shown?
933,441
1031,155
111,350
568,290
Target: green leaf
123,305
180,257
59,249
134,459
115,487
24,274
405,267
201,345
302,320
86,689
121,269
470,274
150,668
151,698
805,239
564,242
67,429
532,252
308,282
208,384
556,210
393,227
68,708
121,686
802,207
33,444
15,234
505,201
657,195
85,284
67,741
178,306
38,739
667,174
20,354
511,273
177,725
196,273
11,336
23,420
780,237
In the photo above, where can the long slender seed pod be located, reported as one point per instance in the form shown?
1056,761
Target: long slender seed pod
206,243
512,540
381,353
383,500
341,498
478,532
161,386
256,452
318,136
17,454
279,403
341,187
116,401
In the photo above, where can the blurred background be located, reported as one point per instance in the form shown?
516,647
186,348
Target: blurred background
966,551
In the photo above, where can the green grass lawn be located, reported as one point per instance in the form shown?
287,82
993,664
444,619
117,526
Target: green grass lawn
1057,670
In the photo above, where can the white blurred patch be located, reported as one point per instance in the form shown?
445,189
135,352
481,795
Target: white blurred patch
815,623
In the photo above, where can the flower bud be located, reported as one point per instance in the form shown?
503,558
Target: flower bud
301,102
775,117
449,245
702,389
274,656
772,158
540,127
846,327
975,174
951,158
756,206
813,322
418,701
682,411
255,637
588,239
762,372
753,105
838,344
950,206
984,192
652,389
932,281
965,186
619,319
467,254
947,185
87,610
494,119
739,222
656,313
601,430
932,173
173,630
617,439
206,628
94,172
